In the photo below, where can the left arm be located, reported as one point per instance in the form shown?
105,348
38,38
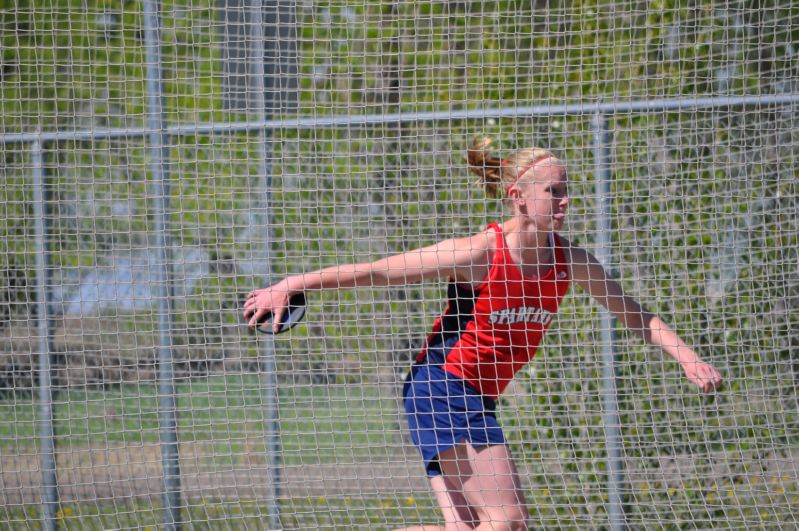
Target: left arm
589,274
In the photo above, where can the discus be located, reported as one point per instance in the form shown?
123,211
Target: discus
291,316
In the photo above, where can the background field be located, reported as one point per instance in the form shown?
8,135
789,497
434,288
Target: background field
703,209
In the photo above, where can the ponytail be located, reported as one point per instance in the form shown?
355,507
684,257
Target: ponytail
495,174
486,165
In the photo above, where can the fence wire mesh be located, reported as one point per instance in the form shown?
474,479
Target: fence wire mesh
297,135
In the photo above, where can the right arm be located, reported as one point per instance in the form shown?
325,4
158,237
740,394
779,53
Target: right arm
464,259
591,276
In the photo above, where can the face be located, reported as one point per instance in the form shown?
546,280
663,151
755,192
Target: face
541,195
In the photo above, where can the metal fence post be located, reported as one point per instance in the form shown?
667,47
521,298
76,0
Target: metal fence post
267,364
611,420
159,176
50,497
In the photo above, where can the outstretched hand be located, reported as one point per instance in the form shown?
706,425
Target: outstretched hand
703,375
261,302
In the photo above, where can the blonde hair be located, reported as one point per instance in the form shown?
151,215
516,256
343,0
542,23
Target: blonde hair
497,175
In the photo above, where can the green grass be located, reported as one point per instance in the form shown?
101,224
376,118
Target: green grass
328,424
318,424
315,513
547,510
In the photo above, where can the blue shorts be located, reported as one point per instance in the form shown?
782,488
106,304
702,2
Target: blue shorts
444,410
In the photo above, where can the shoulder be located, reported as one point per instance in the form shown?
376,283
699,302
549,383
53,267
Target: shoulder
474,255
480,242
575,255
584,266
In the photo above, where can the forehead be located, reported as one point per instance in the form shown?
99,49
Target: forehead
549,171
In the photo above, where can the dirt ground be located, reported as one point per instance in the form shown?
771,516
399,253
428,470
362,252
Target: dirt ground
126,472
103,474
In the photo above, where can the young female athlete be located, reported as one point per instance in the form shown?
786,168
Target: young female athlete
505,285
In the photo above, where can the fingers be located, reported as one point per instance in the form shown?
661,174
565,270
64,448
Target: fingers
278,319
706,386
707,378
250,300
249,306
260,303
251,311
713,380
257,315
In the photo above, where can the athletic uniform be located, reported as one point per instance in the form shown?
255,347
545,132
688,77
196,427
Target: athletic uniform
485,336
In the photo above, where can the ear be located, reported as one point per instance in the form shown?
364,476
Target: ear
515,194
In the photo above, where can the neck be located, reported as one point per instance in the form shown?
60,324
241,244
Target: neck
524,236
530,249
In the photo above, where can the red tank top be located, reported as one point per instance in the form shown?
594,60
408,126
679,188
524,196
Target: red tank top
488,333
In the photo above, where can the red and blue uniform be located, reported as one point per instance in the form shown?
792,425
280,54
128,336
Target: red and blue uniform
484,337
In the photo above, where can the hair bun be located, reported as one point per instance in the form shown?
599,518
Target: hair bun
484,164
